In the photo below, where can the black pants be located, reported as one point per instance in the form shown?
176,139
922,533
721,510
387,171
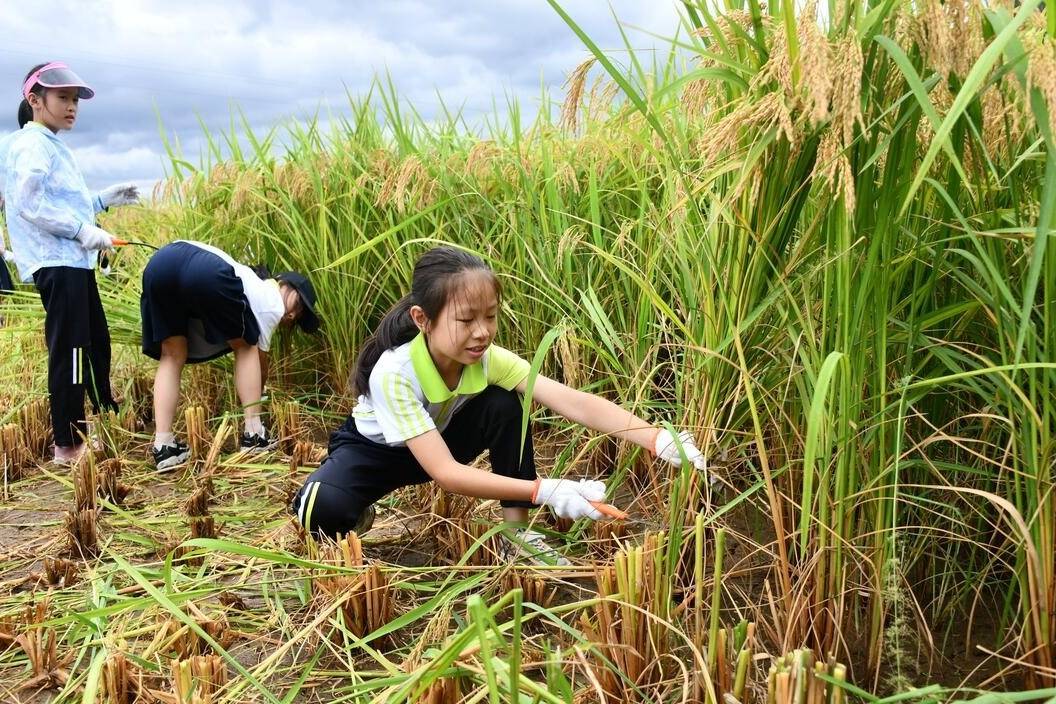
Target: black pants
6,284
357,471
78,348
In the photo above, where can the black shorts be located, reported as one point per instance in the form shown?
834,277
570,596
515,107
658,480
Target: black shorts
190,292
357,471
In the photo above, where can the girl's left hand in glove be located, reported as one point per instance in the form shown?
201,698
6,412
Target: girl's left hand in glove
120,194
666,448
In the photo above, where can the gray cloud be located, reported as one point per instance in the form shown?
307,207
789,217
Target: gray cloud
276,60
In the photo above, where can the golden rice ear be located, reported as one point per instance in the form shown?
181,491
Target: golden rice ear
570,108
1041,73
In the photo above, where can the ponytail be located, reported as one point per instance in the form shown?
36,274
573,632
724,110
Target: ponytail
395,329
25,113
25,110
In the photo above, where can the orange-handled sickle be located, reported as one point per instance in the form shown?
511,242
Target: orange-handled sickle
609,510
124,243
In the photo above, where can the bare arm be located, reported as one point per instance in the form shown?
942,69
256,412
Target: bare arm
433,454
592,411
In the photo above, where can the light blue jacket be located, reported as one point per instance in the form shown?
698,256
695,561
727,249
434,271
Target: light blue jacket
46,201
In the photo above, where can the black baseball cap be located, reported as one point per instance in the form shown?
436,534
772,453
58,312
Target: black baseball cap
309,320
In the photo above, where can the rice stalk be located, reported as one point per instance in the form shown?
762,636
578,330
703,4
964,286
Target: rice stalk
35,418
458,540
122,681
794,678
363,596
535,588
82,535
40,645
198,679
85,483
223,432
183,642
197,503
627,626
111,488
443,690
60,572
14,454
289,426
197,433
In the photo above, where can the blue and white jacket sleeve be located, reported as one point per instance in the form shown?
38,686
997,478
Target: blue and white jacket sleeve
30,169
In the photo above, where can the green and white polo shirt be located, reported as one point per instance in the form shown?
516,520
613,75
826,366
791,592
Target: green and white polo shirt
408,397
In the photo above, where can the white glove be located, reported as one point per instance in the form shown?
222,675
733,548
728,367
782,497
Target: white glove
666,448
568,498
92,237
121,194
9,256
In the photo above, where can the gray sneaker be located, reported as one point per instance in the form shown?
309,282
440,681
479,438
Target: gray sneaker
169,457
530,547
257,442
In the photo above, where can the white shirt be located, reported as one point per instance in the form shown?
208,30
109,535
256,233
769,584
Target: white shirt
263,295
408,397
46,201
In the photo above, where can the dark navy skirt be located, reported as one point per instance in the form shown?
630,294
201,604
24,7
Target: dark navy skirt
191,292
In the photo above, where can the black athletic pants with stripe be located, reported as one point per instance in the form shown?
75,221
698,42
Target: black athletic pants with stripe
78,349
357,471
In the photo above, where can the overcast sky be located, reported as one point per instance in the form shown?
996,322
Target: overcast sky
189,60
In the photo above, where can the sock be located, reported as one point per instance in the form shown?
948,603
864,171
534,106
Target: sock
255,426
162,439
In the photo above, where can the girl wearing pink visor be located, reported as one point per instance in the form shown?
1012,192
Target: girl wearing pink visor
50,217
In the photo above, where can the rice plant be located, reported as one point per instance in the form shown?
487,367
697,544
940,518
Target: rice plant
818,237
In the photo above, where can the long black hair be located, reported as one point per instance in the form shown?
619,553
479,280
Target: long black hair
436,278
25,110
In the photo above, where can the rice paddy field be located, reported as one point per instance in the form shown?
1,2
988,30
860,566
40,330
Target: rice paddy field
820,238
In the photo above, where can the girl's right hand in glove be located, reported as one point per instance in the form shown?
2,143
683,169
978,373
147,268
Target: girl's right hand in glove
568,498
95,238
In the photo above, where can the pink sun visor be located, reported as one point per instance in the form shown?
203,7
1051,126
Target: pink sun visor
57,75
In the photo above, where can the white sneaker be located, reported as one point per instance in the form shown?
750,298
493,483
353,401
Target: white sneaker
528,546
